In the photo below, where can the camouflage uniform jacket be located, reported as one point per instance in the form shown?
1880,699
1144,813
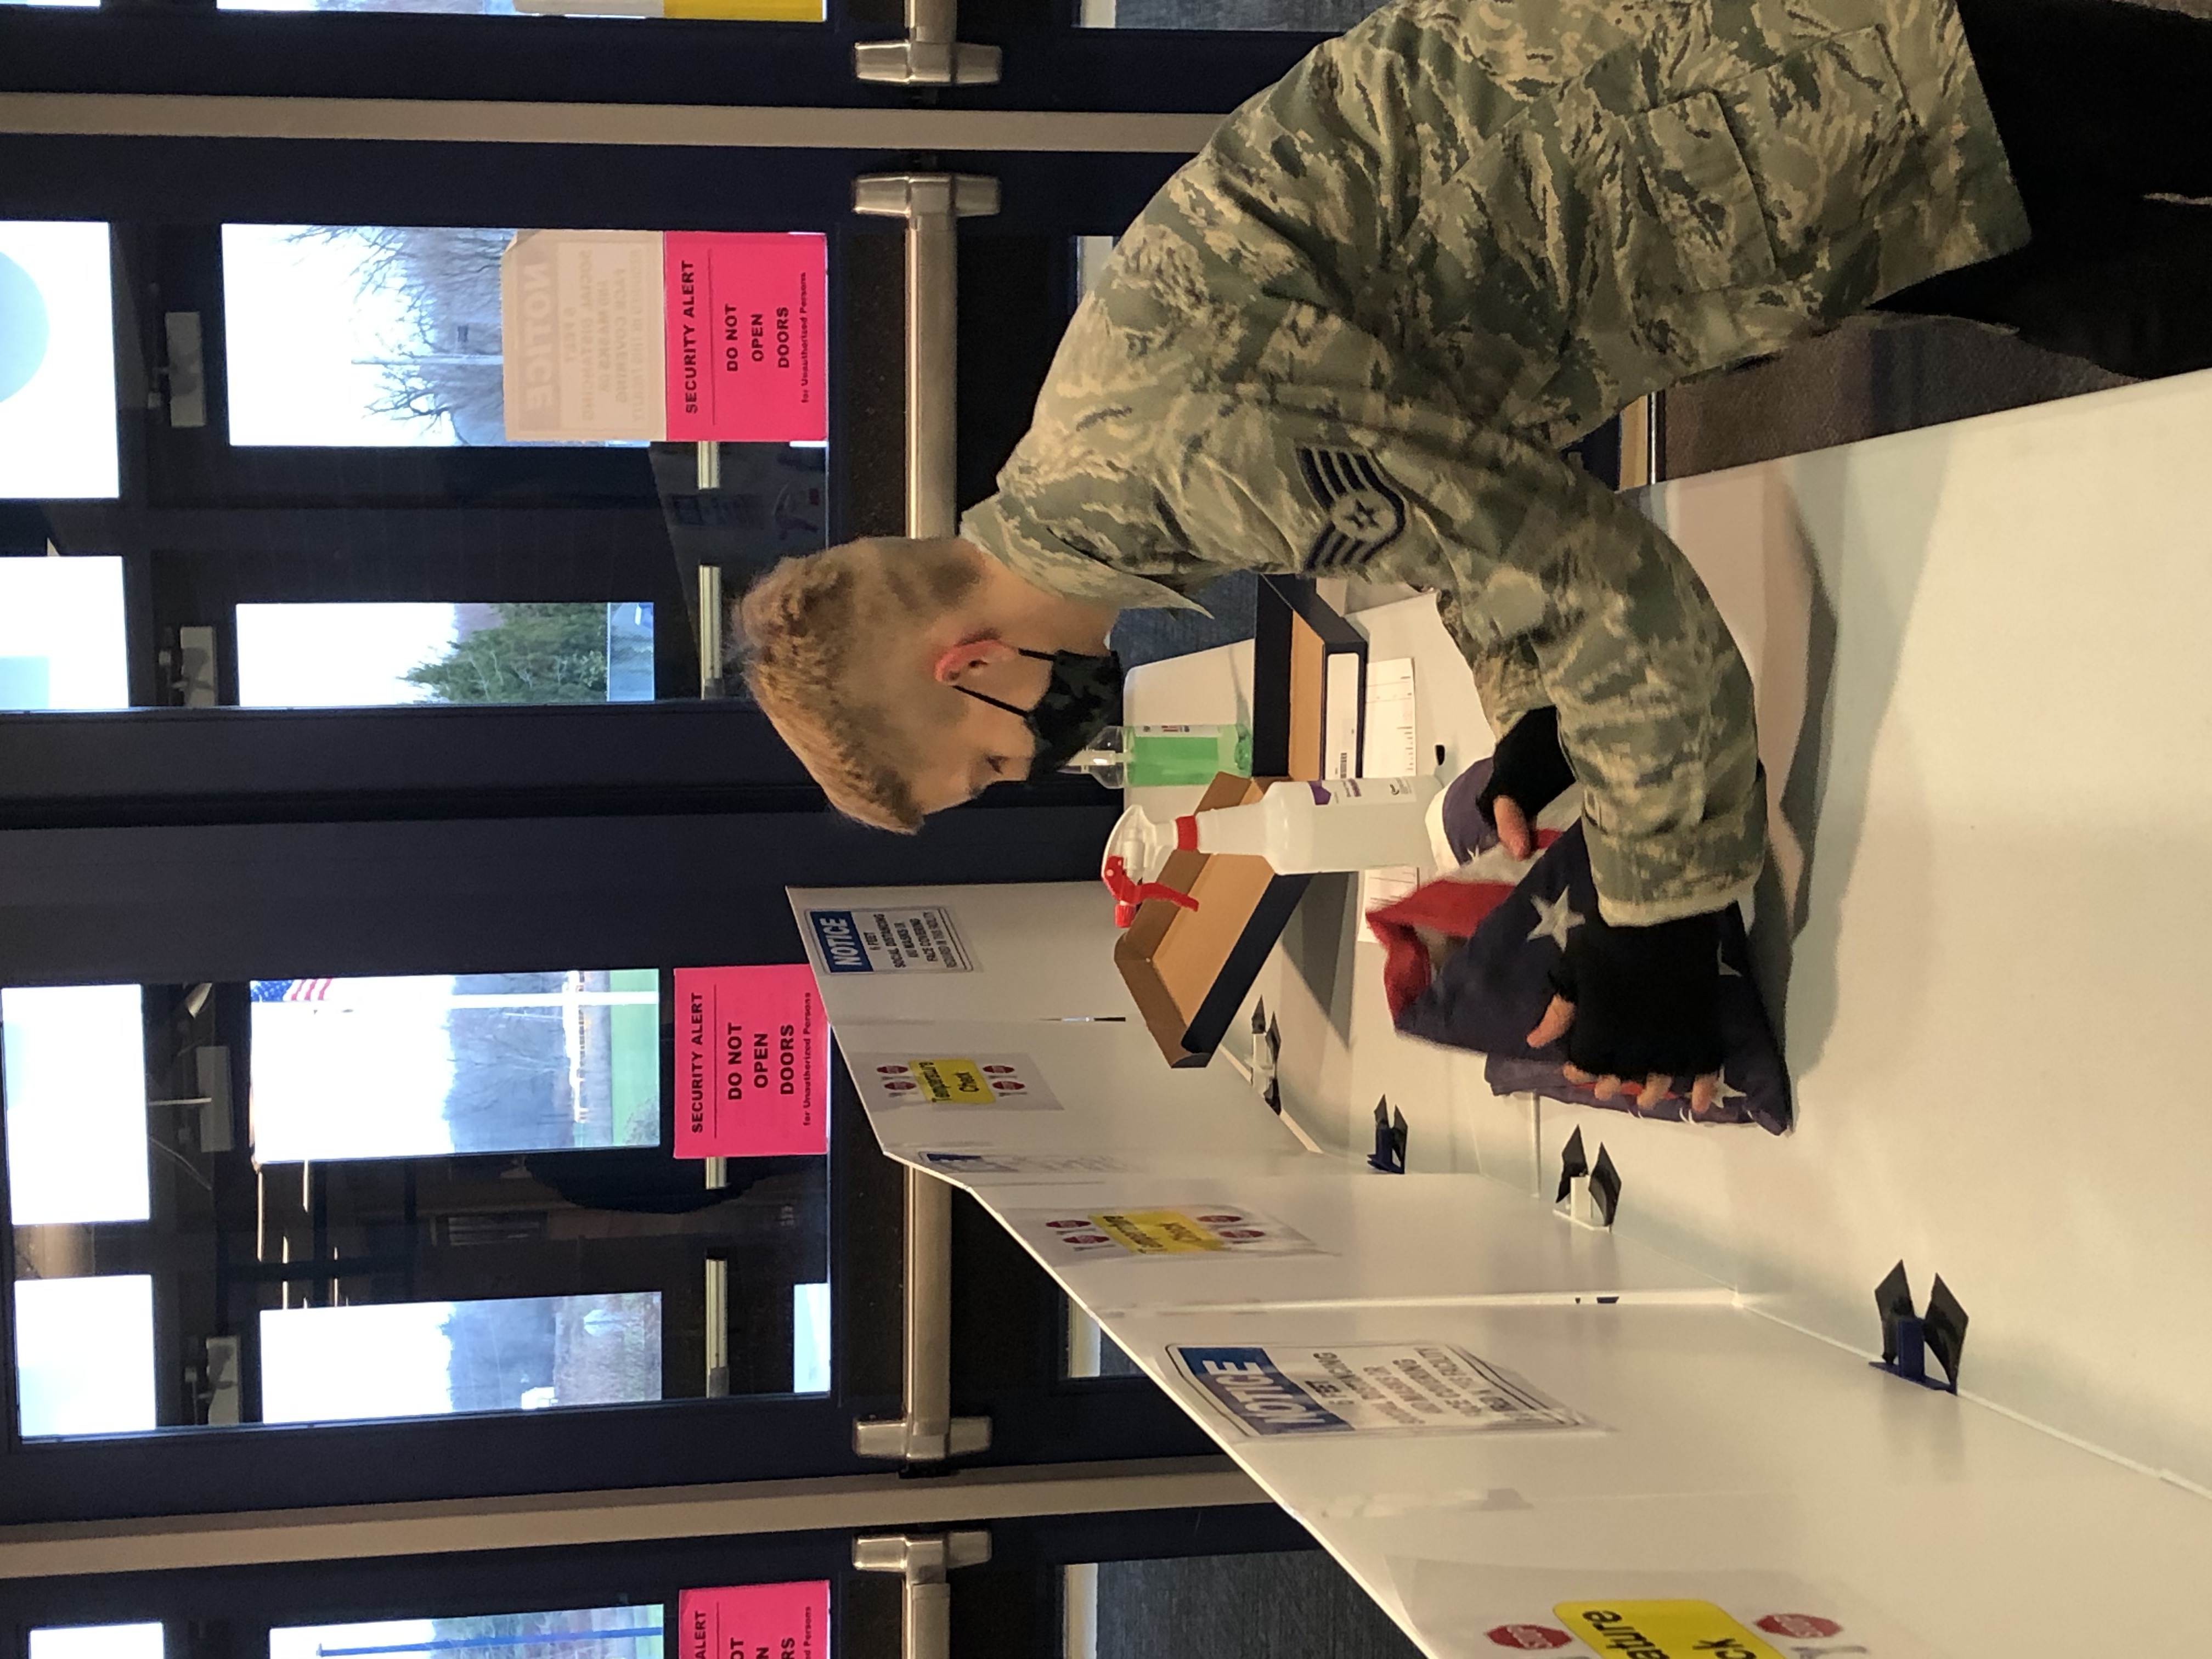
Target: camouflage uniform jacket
1350,335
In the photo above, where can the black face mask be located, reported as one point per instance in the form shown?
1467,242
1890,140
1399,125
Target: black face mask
1083,697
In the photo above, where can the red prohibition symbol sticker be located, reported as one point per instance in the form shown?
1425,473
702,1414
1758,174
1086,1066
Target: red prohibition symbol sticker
1530,1639
1799,1623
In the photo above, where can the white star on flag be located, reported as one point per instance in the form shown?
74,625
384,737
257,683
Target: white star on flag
1554,921
1722,1093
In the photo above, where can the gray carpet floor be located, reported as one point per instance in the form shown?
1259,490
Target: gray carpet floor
1326,16
1866,379
1292,1606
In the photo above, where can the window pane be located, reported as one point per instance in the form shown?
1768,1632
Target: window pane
416,1066
809,1338
428,1359
382,334
84,1354
356,655
73,1075
97,1641
582,1633
62,637
57,431
392,335
369,1256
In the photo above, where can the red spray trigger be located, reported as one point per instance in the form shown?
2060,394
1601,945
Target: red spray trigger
1129,894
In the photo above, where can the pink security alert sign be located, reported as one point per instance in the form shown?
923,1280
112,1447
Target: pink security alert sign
751,1062
755,1621
744,336
611,335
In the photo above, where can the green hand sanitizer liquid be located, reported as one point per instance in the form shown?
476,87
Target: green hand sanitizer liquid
1151,757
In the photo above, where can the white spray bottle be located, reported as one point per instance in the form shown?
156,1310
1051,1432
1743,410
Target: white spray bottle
1298,827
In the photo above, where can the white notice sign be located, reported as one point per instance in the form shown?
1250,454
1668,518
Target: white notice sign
583,335
910,939
1364,1388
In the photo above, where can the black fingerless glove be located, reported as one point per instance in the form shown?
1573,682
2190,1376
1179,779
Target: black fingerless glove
1646,998
1529,768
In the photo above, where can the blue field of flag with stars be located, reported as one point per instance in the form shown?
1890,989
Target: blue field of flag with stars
1491,992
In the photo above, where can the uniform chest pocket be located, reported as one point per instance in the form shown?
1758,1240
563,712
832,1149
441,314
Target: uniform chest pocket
1698,185
1831,138
1760,177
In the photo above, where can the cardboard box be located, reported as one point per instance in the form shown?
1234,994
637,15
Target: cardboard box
1190,969
1309,684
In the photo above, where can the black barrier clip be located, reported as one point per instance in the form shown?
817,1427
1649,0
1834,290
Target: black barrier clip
1600,1183
1907,1337
1389,1154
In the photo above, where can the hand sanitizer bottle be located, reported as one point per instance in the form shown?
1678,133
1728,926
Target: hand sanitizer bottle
1147,757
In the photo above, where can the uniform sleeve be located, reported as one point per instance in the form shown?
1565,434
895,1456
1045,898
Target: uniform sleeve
1506,677
1556,590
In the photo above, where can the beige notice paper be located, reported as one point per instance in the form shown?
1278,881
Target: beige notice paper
583,315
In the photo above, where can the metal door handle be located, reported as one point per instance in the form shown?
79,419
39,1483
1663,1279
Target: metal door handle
930,203
925,1431
931,55
710,686
925,1601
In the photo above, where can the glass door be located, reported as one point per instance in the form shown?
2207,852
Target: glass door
288,1242
1237,1580
359,802
413,1196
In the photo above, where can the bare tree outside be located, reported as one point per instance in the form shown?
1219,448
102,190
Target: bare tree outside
448,366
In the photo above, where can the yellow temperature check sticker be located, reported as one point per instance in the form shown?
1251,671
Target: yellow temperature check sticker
953,1082
1157,1233
1662,1630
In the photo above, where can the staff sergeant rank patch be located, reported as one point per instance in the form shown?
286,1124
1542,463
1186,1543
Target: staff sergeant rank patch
1364,513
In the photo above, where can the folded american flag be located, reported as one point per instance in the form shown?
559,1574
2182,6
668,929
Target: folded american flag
1467,960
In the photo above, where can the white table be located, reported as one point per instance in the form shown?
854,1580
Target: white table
1997,979
1994,1013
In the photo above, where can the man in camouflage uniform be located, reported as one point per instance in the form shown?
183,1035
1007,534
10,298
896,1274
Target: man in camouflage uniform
1349,337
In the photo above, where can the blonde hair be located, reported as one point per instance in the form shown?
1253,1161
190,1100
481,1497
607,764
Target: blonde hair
804,628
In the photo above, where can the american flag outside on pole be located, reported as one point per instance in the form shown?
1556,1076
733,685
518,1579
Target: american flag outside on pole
291,990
